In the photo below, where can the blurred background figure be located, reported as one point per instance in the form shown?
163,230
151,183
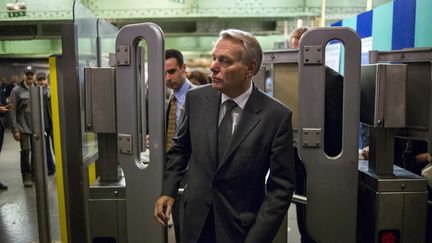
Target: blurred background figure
4,108
268,83
43,82
21,124
13,82
294,39
198,78
3,85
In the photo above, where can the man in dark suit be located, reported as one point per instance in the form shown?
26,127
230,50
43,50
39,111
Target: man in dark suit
232,134
175,78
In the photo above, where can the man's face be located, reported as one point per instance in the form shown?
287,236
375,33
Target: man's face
42,82
229,75
29,78
14,78
174,75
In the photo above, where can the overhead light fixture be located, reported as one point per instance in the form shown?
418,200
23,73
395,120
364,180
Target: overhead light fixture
16,9
16,6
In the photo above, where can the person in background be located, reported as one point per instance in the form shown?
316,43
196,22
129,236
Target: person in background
3,86
21,124
43,82
4,108
268,83
231,135
198,78
175,78
13,82
332,127
7,91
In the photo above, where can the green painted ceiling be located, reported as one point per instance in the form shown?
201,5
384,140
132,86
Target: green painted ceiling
189,26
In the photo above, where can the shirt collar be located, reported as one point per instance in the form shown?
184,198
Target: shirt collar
239,100
183,89
26,85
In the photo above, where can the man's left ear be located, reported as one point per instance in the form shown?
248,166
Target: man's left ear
251,70
183,69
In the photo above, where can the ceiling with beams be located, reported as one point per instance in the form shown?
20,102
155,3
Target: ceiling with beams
177,18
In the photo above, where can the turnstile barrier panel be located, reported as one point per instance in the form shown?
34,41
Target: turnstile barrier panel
418,98
284,67
397,197
383,95
100,113
143,182
418,95
285,87
331,181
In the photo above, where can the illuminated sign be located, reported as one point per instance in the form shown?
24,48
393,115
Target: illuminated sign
389,236
16,9
16,14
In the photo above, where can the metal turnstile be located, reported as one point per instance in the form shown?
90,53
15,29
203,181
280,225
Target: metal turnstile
299,82
393,201
130,174
331,209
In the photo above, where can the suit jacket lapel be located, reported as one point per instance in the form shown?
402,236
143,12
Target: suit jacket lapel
212,105
249,119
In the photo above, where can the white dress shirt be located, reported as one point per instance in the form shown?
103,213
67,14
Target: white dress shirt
241,101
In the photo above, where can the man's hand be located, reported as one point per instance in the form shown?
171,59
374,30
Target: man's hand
6,108
365,152
163,209
17,136
147,140
9,106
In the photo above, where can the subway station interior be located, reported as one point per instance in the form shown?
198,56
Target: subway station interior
96,175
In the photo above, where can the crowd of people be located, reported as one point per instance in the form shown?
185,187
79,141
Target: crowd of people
15,115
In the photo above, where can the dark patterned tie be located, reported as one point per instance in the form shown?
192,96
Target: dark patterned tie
225,129
171,128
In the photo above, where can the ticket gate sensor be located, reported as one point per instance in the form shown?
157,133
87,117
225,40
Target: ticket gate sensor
393,201
130,170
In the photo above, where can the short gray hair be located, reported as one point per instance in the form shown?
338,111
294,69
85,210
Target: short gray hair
251,46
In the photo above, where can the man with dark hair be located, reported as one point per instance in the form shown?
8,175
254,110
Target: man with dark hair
231,135
21,124
175,78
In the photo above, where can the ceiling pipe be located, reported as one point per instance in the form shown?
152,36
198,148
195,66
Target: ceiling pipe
368,5
323,13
